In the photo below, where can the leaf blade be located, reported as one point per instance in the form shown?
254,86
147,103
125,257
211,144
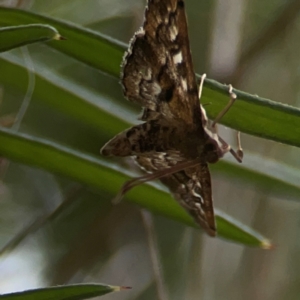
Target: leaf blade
89,170
66,292
16,36
105,54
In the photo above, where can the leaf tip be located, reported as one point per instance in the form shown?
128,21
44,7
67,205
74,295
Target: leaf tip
266,244
121,288
59,37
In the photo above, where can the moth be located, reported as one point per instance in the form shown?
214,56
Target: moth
174,143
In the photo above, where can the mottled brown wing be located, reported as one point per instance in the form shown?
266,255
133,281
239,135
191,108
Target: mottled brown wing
158,74
157,69
190,187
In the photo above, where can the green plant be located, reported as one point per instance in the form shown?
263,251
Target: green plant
70,117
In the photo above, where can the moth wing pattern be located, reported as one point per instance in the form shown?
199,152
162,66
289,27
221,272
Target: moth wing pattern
157,73
157,69
190,187
149,137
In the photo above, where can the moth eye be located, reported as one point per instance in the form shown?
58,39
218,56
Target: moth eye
211,153
180,3
210,147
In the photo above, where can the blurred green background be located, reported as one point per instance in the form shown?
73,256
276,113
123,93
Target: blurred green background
78,236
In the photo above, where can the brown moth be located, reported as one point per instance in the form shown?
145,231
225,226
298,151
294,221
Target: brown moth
174,142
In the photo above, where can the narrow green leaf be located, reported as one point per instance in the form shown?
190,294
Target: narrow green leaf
229,228
97,173
104,53
78,102
254,115
16,36
274,121
58,88
66,292
215,92
82,104
267,174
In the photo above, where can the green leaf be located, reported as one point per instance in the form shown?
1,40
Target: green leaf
67,292
104,53
87,107
254,115
229,228
98,173
17,36
97,116
78,102
250,114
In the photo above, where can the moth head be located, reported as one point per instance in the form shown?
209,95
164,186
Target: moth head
214,149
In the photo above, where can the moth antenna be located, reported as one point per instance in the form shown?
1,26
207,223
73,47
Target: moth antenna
156,175
201,85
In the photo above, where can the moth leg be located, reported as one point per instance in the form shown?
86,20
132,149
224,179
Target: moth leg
238,154
233,97
127,186
239,150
